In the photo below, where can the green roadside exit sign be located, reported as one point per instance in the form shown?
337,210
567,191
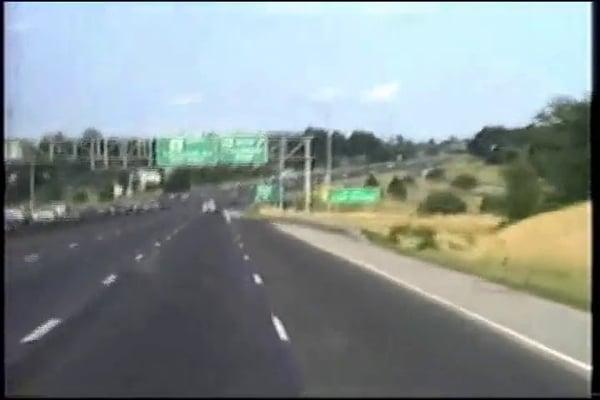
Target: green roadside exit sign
355,196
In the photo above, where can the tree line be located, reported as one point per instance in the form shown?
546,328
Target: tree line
555,147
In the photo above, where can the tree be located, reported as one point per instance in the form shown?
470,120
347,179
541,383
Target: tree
481,144
87,136
61,146
318,145
523,192
371,181
560,147
397,189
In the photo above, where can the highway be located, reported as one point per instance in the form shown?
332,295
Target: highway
180,303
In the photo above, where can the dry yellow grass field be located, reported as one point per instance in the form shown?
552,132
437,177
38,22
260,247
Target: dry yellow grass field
548,254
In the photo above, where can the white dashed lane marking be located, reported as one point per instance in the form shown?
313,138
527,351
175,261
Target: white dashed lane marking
156,244
139,257
99,237
109,280
41,330
246,257
257,279
168,237
73,245
31,258
280,329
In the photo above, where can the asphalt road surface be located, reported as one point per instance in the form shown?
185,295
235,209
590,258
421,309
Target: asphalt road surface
178,303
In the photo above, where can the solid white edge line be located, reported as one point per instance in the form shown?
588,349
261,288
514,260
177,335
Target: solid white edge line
280,329
257,279
507,331
41,330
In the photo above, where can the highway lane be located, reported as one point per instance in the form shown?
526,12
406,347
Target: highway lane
64,278
357,334
194,317
187,319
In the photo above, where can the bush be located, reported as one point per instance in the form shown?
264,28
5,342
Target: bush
493,204
435,174
80,197
371,181
502,156
398,230
465,181
552,201
510,156
425,235
396,189
106,194
523,192
408,180
442,202
432,151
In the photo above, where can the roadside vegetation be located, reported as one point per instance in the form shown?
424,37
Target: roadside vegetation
514,208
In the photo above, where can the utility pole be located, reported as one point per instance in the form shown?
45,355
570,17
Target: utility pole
74,149
105,153
123,148
307,163
282,151
51,150
149,151
329,164
31,185
92,151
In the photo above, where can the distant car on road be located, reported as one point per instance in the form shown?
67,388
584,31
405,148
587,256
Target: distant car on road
60,209
14,215
43,215
209,206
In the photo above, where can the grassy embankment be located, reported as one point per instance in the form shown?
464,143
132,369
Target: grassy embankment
547,254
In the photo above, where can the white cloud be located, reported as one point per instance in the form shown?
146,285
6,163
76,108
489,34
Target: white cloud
381,93
326,94
187,99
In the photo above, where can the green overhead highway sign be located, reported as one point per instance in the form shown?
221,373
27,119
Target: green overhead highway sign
355,196
241,150
212,150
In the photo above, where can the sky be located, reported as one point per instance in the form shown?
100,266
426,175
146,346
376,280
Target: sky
422,70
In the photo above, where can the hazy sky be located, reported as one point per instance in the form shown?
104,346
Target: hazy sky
418,69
